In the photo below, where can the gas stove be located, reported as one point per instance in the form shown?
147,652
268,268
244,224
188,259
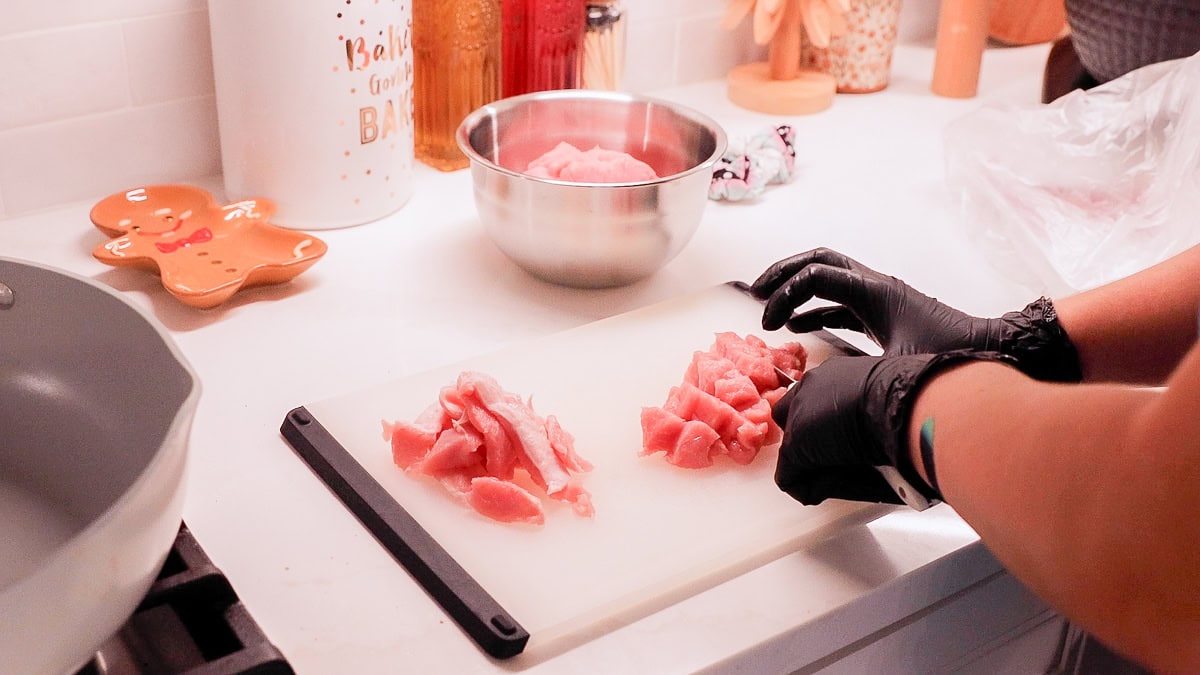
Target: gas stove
191,621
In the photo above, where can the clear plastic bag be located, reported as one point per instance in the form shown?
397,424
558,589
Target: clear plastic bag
1088,189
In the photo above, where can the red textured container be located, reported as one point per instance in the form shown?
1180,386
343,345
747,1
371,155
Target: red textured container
514,46
543,45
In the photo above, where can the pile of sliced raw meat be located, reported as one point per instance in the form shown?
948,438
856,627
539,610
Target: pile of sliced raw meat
723,406
489,448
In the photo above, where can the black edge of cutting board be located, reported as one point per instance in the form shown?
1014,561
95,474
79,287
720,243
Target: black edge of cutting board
472,607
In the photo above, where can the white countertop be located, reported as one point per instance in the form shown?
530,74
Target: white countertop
424,288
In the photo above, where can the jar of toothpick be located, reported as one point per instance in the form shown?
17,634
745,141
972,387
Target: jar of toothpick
604,45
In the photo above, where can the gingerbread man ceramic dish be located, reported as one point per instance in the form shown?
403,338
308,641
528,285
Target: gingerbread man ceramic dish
204,252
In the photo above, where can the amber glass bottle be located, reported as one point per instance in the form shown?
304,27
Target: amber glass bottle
456,69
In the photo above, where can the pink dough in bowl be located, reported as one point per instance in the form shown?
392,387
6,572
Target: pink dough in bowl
597,165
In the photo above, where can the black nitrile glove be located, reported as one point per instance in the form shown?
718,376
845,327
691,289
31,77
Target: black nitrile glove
902,320
851,414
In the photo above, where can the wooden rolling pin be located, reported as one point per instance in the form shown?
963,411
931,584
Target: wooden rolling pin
961,37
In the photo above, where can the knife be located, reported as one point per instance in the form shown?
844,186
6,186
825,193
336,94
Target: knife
903,489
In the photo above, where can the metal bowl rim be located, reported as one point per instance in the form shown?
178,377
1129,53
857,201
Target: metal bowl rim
462,135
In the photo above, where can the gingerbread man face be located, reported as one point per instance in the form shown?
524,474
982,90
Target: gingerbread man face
151,211
204,252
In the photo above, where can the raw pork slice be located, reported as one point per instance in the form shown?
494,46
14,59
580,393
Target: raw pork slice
504,501
567,162
723,405
473,440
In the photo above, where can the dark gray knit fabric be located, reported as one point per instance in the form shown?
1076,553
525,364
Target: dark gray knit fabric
1113,37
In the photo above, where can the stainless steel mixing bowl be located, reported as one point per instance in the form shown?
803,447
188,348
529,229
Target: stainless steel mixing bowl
590,235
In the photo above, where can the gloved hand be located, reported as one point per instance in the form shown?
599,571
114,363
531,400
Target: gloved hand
851,414
902,320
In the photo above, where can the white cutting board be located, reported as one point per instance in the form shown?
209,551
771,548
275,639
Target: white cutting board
660,533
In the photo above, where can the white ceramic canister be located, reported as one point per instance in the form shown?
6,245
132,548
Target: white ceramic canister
315,108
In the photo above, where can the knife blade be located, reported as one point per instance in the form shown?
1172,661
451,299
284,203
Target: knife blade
903,489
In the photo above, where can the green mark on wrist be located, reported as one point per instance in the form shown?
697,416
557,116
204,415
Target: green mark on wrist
926,443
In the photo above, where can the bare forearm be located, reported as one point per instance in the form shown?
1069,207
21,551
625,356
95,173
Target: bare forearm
1136,329
1088,493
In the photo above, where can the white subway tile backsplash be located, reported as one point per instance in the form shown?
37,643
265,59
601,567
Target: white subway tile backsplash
169,57
90,157
19,16
60,74
653,10
695,9
97,96
650,58
918,22
674,10
706,50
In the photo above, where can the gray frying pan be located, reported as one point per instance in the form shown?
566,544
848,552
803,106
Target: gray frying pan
96,403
